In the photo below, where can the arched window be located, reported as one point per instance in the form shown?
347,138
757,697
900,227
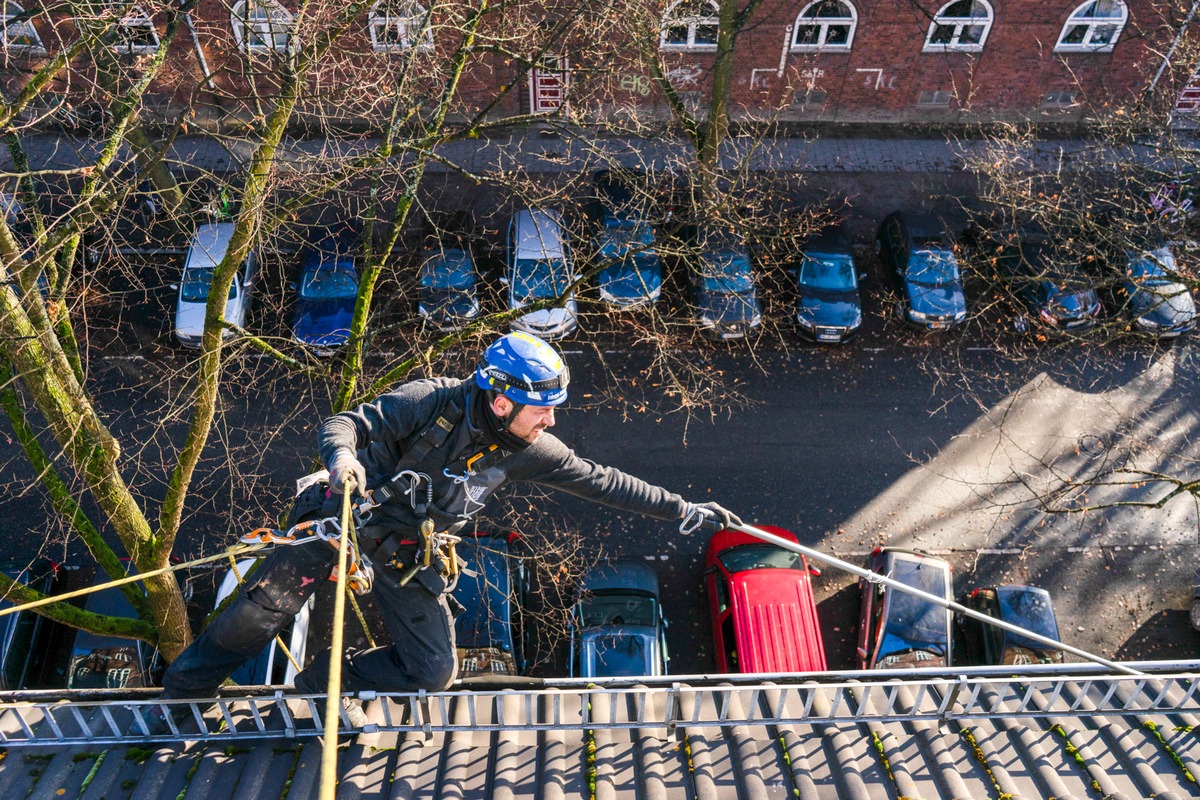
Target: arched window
136,33
825,25
19,34
1093,27
397,25
261,25
962,25
690,25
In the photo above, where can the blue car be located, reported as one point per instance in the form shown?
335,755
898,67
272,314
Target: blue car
920,256
1151,293
617,625
634,277
829,307
325,296
488,632
447,295
724,292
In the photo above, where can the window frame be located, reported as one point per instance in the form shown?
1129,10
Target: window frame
25,27
693,23
942,20
407,26
137,18
277,13
1074,20
824,23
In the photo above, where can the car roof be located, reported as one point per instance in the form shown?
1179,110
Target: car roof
775,621
830,239
209,244
620,574
539,233
924,225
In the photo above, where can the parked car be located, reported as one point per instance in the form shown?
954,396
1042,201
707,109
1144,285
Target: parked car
617,626
489,631
1150,293
25,636
829,307
764,616
625,237
723,287
539,268
447,287
1046,281
897,630
325,295
271,666
110,662
205,251
920,256
1026,606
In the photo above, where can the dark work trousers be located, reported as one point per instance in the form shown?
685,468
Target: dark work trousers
422,654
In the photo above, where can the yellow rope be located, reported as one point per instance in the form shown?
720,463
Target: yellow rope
232,552
333,701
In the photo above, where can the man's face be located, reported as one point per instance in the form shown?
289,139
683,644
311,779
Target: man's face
529,422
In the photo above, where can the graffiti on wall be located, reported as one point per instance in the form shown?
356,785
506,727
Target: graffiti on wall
635,84
685,77
876,79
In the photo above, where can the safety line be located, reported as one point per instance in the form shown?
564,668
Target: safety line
949,605
333,700
234,551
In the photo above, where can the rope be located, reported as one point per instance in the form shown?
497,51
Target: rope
949,605
232,552
333,700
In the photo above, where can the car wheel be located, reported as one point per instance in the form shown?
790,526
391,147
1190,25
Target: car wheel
1021,324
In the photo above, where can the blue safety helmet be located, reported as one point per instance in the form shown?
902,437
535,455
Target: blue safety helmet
524,369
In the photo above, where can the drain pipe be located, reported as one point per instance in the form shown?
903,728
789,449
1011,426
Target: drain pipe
1174,45
949,605
208,79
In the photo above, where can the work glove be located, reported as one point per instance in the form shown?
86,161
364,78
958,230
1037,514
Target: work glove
346,468
711,516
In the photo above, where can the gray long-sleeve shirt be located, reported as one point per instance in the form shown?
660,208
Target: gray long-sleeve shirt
381,432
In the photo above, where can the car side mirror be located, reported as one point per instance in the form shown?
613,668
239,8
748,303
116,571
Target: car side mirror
710,570
504,281
291,287
862,276
174,287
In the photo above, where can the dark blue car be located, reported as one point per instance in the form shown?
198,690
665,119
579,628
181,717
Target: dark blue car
488,632
617,625
447,292
920,256
1151,293
634,277
829,308
325,296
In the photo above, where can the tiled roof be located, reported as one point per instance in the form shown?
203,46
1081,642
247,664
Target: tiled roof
1065,733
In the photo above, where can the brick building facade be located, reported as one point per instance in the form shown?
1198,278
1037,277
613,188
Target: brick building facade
839,61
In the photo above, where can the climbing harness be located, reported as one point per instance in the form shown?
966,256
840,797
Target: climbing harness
360,576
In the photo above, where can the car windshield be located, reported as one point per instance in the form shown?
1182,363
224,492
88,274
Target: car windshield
196,283
1030,610
911,618
830,273
760,556
616,242
617,608
933,268
539,280
450,270
329,283
1153,268
620,655
727,273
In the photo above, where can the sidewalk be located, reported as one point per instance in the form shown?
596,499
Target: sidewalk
536,153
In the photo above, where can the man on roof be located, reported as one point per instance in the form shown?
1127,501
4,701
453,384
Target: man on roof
426,457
